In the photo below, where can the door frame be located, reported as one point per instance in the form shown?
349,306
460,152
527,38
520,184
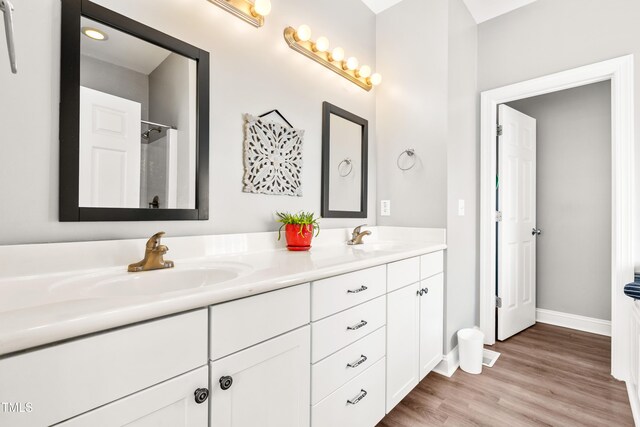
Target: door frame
620,72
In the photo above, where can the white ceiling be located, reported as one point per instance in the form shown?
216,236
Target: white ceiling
482,10
379,5
122,49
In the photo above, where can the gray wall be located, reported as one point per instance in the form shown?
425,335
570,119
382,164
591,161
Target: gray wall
115,80
461,291
411,43
427,52
549,36
252,71
573,199
172,99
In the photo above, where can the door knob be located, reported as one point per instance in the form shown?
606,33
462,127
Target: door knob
226,382
536,232
201,395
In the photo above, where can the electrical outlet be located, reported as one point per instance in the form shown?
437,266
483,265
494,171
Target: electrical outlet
461,207
385,207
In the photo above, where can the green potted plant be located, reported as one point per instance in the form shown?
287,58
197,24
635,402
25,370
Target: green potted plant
299,229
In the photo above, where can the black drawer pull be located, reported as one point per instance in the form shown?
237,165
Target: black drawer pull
358,398
357,326
357,291
358,362
225,382
201,395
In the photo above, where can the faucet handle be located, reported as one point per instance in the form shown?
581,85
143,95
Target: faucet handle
154,241
358,229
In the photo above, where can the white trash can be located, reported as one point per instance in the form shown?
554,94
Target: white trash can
470,346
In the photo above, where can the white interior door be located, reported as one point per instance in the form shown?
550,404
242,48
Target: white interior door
516,239
110,132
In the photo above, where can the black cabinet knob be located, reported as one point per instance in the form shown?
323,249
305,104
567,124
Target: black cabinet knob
226,382
201,395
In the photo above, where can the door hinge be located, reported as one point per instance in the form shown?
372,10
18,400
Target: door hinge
498,302
498,216
499,130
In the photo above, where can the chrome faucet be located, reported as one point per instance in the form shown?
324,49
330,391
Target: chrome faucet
153,256
357,234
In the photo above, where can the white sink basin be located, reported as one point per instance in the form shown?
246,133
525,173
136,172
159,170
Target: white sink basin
123,284
31,292
160,282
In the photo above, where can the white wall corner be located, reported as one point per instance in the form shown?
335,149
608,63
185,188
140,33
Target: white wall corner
449,364
574,321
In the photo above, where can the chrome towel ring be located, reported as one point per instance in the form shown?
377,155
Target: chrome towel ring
411,153
347,162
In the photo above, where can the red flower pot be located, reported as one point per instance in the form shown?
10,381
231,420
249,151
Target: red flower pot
299,237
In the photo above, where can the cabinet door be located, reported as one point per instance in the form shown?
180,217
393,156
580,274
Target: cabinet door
431,323
402,343
168,404
266,385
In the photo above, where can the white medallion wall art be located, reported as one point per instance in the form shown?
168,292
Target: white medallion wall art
272,158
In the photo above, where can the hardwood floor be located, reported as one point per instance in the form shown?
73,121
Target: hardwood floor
545,376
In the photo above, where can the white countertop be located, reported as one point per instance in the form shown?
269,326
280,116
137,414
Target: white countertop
41,309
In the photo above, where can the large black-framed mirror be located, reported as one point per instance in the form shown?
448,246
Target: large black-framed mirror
134,120
345,162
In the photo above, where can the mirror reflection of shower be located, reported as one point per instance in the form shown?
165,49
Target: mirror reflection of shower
158,152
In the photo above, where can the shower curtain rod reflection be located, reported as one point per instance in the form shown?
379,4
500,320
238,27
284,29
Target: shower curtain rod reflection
157,124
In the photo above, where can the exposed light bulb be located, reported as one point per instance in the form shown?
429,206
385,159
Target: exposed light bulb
303,33
262,7
364,72
337,54
352,63
322,44
375,79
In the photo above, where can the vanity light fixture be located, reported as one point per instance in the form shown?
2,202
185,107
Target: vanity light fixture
251,12
94,34
319,50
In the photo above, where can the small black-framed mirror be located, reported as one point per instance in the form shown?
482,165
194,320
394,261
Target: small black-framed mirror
345,161
134,120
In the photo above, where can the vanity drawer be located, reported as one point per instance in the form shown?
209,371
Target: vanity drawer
239,324
338,331
350,406
331,373
403,273
431,264
76,376
329,296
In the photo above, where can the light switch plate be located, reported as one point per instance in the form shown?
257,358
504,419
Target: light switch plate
461,207
385,207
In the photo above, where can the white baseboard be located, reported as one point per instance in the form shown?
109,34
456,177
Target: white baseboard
632,390
450,363
573,321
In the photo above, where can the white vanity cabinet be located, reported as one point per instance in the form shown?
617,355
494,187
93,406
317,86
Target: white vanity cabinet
403,343
415,309
178,402
340,351
66,380
431,323
260,351
348,349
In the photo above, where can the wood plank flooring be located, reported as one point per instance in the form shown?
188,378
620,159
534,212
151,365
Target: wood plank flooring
545,376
